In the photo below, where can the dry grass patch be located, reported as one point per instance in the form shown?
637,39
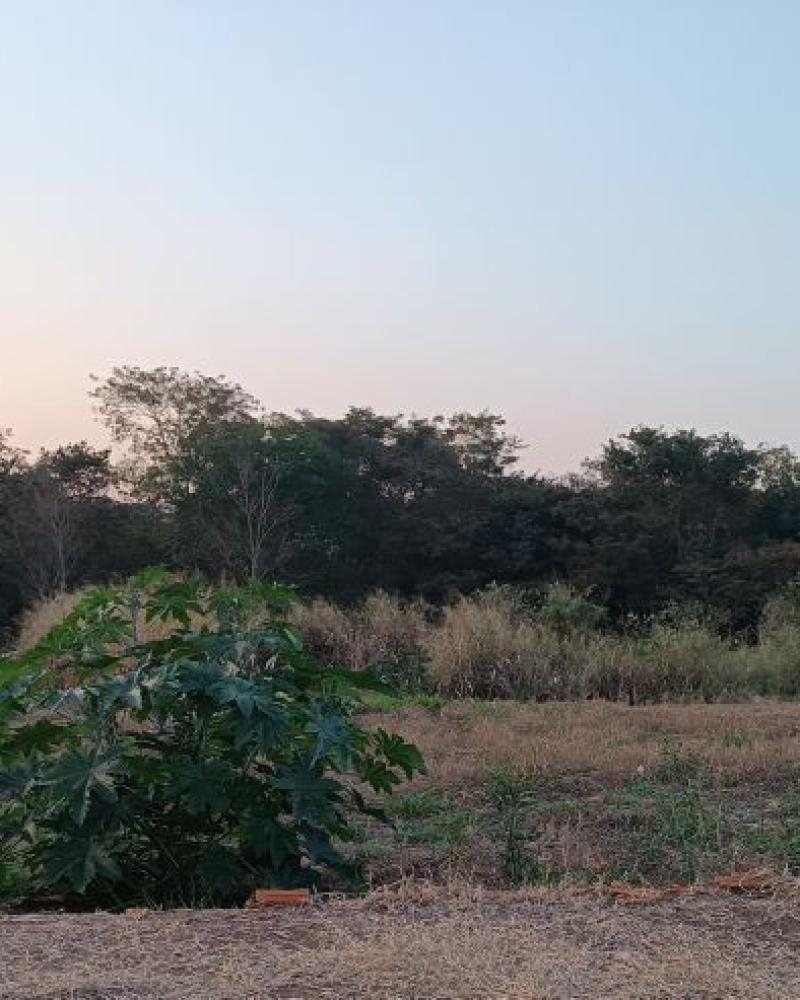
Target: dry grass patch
546,946
380,629
42,616
571,793
609,741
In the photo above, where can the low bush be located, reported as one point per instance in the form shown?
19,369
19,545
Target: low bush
494,645
381,628
184,769
773,665
383,633
501,643
682,655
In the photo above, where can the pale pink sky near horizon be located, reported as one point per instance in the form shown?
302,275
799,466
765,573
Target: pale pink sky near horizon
582,216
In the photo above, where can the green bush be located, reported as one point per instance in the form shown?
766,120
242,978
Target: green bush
567,611
187,768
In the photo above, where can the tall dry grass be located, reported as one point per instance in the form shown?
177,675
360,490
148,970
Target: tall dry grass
381,629
43,615
490,646
496,644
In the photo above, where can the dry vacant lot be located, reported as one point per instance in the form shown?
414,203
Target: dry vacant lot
558,800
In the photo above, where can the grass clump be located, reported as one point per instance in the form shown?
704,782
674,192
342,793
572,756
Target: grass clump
512,799
667,825
430,817
503,643
495,645
383,632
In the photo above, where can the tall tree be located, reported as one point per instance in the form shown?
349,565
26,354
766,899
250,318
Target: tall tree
156,412
232,517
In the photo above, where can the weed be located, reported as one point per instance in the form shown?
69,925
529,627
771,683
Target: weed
428,817
781,838
375,701
418,805
512,798
16,881
736,740
669,824
676,765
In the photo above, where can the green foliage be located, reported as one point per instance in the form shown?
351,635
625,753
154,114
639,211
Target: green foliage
429,817
567,611
377,702
426,507
414,506
667,825
513,797
404,673
189,766
782,609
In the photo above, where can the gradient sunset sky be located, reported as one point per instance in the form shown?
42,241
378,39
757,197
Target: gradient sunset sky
582,215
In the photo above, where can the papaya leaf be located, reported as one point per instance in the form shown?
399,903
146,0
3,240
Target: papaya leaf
201,785
268,839
41,736
78,860
334,737
82,774
398,752
314,797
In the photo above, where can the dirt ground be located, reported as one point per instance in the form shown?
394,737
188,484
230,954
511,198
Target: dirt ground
534,944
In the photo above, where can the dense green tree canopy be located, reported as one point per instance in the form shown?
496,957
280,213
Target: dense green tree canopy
206,478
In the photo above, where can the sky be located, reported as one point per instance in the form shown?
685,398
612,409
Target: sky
581,215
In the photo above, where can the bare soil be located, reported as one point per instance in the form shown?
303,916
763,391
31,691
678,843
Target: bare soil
533,944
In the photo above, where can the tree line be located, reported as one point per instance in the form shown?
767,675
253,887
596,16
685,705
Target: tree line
202,478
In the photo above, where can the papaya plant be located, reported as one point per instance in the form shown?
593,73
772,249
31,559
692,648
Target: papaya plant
173,743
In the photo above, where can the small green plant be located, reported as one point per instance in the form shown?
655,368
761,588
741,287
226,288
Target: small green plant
667,823
15,877
429,817
379,701
781,837
676,765
186,768
512,799
404,672
419,805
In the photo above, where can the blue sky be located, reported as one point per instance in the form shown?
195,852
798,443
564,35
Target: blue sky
583,215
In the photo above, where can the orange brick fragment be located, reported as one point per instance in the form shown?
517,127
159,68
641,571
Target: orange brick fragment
743,882
624,893
280,897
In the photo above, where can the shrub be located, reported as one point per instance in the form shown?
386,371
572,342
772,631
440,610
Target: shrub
492,644
682,655
383,633
781,611
773,666
186,768
568,611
